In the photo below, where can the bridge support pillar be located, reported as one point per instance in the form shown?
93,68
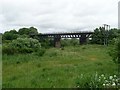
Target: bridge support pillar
57,43
83,39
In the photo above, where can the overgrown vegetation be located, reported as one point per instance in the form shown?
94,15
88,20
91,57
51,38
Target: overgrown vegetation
104,37
115,50
21,45
59,68
69,42
20,42
33,62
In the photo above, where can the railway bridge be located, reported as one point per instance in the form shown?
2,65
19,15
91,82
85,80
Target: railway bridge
83,36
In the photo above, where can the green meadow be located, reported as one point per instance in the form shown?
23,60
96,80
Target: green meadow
0,66
71,67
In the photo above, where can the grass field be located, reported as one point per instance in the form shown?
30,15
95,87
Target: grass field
57,68
0,66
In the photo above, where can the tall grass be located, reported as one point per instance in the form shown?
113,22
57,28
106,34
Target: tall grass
58,68
0,66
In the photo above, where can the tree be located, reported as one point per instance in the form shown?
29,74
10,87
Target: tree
23,31
95,37
13,31
28,31
10,35
99,36
104,37
113,33
33,30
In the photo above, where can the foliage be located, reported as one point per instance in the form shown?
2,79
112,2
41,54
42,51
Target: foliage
0,38
72,67
97,81
7,49
69,42
115,51
40,52
28,31
10,35
74,42
22,45
20,42
52,54
46,42
65,42
98,36
104,37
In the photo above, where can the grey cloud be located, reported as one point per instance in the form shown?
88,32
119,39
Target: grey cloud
58,15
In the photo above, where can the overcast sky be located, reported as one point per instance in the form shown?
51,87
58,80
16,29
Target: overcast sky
57,15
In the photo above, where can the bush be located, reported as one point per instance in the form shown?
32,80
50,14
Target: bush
6,49
68,42
9,36
40,52
53,54
22,45
115,51
74,42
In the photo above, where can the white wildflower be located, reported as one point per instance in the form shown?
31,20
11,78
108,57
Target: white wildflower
116,80
113,84
103,84
106,81
107,84
99,80
115,76
111,77
102,75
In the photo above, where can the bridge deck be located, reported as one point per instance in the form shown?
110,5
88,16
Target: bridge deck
72,33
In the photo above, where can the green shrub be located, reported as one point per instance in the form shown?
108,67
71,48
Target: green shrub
6,49
22,45
115,50
40,52
74,42
52,54
68,42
